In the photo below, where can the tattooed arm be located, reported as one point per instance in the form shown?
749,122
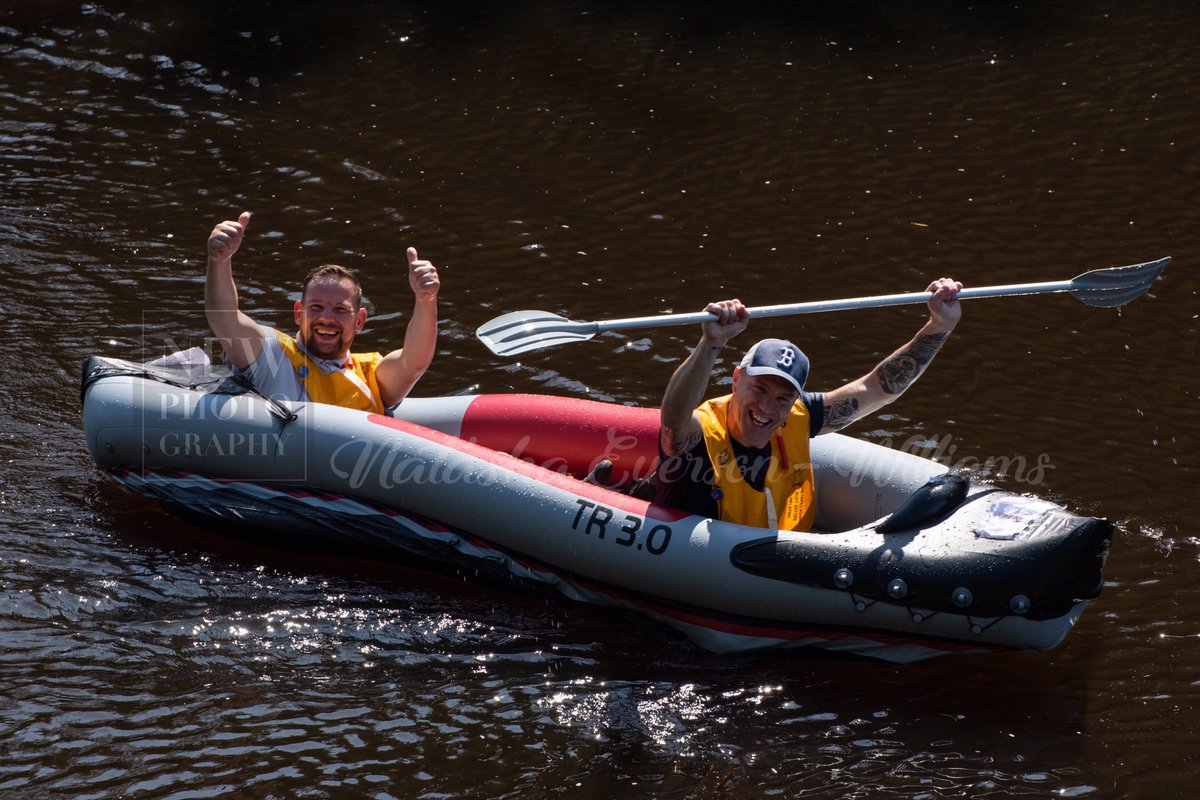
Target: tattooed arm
898,371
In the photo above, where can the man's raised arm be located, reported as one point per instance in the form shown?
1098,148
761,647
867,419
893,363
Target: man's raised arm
679,429
897,372
239,335
400,369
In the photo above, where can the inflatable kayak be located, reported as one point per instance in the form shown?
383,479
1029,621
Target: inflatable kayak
910,560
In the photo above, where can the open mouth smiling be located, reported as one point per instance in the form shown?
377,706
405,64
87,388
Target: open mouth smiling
760,421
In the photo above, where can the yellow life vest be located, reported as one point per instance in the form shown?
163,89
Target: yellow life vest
337,388
788,483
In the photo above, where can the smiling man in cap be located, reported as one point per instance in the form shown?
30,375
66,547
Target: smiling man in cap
744,457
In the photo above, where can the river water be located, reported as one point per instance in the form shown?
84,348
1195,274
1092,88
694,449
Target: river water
597,160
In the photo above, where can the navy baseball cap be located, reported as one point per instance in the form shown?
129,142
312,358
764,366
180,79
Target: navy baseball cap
777,357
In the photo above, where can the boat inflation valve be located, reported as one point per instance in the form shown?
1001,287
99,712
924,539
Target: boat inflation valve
1020,604
843,578
897,589
962,597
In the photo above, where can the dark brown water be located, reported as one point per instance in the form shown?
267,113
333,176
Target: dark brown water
599,160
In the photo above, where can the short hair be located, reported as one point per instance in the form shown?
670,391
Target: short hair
333,272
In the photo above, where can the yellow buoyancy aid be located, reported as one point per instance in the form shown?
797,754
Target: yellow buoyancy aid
353,387
788,483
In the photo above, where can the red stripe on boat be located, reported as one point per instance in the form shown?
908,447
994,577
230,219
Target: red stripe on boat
566,431
539,473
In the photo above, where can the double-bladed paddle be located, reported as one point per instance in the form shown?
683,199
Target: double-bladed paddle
522,331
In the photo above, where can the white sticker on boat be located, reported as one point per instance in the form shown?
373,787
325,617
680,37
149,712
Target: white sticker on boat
1008,517
192,358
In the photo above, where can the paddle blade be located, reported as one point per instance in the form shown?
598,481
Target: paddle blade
522,331
1116,286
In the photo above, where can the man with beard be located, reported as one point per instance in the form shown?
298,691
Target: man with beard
744,457
316,364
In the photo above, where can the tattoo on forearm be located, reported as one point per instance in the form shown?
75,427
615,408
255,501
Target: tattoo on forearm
926,347
678,446
898,372
841,414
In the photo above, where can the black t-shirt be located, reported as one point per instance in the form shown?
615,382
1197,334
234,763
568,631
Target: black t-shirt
685,482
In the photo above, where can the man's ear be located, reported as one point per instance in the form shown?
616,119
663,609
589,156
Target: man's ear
299,311
360,319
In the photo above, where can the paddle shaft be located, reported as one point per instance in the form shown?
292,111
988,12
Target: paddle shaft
818,306
521,331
